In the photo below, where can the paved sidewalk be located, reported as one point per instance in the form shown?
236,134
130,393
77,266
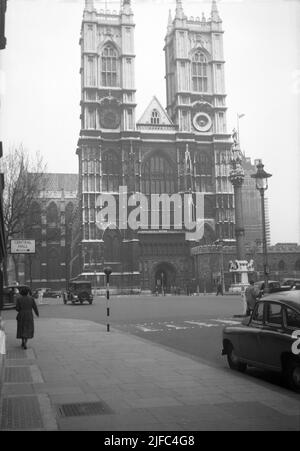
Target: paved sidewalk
77,376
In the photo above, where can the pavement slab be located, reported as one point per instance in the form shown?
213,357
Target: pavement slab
144,386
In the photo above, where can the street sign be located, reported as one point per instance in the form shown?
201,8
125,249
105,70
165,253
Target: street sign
22,247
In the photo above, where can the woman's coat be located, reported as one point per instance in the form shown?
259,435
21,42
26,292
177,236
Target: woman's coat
25,306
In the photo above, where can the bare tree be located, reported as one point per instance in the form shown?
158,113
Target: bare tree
22,183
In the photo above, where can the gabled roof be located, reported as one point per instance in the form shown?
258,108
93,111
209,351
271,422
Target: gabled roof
164,119
58,181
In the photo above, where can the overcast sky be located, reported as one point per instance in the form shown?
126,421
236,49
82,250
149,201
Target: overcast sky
40,83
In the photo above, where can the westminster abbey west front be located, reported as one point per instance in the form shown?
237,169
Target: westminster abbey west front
183,149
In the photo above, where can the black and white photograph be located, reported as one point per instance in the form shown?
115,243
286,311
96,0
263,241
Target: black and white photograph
149,218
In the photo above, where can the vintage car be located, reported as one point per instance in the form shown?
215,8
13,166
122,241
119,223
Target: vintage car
269,339
49,293
10,294
291,283
79,291
274,286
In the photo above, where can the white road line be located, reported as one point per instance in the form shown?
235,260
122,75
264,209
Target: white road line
227,321
196,323
146,329
172,326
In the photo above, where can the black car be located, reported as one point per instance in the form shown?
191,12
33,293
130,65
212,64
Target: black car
269,339
291,283
79,291
274,286
49,293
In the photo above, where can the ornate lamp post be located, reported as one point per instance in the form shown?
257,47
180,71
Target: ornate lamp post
261,178
237,177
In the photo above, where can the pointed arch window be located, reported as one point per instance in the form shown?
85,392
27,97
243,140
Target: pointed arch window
109,66
155,117
158,176
200,72
111,172
112,246
52,214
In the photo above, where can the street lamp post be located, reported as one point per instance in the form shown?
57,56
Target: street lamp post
261,179
237,177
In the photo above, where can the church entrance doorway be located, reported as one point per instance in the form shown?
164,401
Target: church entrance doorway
164,279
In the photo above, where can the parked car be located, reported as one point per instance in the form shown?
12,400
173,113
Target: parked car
268,338
290,283
10,294
79,291
296,285
273,285
49,293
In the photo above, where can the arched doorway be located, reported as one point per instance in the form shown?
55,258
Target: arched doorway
164,278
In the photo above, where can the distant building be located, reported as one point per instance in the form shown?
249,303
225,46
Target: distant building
252,208
284,262
50,218
185,148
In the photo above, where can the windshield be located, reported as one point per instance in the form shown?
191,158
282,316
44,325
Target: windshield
80,286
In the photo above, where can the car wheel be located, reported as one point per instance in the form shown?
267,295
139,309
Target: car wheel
233,361
90,302
73,302
292,375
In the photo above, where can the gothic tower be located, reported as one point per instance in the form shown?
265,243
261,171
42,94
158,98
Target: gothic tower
107,70
196,103
105,145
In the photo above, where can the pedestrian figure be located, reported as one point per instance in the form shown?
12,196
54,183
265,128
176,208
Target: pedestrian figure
24,306
219,289
40,297
252,295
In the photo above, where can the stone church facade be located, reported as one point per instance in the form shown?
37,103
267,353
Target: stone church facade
184,149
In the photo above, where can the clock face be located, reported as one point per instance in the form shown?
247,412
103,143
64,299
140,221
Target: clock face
202,122
109,118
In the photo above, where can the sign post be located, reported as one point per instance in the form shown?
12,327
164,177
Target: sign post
107,272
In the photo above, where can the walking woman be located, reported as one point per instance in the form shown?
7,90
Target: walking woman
24,306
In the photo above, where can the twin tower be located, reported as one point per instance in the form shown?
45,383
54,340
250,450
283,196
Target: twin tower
182,148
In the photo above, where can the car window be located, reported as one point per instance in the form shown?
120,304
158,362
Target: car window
292,318
274,314
258,315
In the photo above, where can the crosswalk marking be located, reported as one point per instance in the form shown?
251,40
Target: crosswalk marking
172,326
196,323
165,326
227,321
146,329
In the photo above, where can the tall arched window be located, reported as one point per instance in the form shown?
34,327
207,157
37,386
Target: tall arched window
52,214
281,265
111,171
158,176
109,66
199,72
297,265
155,117
53,265
112,246
35,214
